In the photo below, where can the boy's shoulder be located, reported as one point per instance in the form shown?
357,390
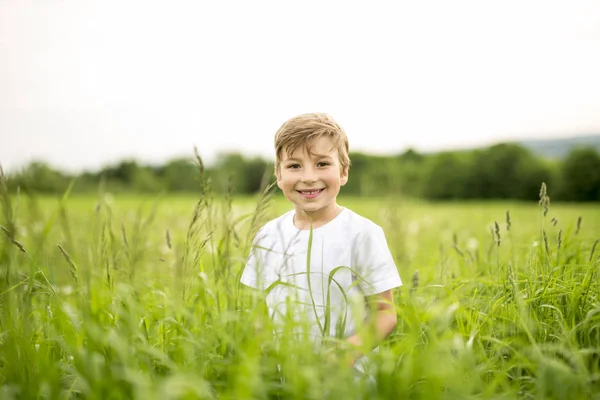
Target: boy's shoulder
355,218
354,224
276,225
280,221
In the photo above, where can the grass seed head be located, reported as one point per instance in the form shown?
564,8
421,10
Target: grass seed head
497,232
199,162
455,247
72,266
11,237
415,279
6,232
124,234
593,250
544,199
20,246
543,190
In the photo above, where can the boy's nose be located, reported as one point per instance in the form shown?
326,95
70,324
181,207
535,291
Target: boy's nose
309,175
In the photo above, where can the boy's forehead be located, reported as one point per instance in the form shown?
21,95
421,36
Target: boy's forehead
318,147
307,151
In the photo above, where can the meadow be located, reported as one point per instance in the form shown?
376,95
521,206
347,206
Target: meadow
123,296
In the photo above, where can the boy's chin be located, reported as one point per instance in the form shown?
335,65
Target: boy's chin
306,207
310,208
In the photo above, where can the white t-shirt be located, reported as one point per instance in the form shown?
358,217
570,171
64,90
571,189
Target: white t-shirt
349,259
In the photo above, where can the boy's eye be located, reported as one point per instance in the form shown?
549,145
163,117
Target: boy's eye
323,164
293,166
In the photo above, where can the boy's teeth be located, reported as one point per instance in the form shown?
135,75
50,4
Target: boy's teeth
310,191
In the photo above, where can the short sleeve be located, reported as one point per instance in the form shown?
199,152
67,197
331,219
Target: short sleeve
259,272
250,276
373,262
253,273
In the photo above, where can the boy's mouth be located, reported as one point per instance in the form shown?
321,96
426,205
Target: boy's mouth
310,193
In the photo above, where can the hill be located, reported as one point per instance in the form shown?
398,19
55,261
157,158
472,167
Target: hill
559,148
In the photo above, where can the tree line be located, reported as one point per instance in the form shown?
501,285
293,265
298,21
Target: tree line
503,171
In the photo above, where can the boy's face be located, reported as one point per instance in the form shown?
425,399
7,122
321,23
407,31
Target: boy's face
312,181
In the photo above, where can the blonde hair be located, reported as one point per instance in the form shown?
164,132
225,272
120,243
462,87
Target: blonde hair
302,130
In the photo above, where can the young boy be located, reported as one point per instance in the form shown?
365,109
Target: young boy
322,263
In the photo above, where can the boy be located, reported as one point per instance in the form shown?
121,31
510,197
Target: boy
321,263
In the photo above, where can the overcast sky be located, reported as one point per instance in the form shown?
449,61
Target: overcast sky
85,83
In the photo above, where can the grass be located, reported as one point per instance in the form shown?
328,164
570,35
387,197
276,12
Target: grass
128,297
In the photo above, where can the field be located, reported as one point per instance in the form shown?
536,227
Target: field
118,297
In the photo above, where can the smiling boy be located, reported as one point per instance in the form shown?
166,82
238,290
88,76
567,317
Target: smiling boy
325,265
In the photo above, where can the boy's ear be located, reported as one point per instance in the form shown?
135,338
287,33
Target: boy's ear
278,176
344,177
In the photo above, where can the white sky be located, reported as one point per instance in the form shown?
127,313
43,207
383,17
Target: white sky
84,83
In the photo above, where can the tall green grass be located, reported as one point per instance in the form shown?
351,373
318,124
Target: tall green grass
140,298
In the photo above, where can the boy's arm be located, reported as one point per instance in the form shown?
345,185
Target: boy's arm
382,322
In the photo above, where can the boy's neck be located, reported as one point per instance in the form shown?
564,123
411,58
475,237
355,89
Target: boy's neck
303,219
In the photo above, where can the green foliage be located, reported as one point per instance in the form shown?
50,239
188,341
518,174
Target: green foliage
581,176
506,171
142,300
445,176
372,176
41,178
503,171
179,175
245,175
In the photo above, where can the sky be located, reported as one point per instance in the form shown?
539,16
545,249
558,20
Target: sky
84,83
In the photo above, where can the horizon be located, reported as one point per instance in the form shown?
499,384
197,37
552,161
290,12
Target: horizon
209,162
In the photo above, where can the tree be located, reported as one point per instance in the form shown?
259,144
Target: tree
180,175
444,177
409,172
129,176
581,175
40,177
505,171
244,175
